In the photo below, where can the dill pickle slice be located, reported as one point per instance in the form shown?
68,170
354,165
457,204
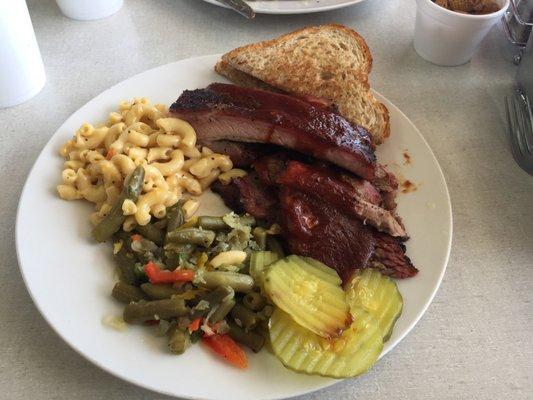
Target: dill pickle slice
311,296
321,269
351,354
379,295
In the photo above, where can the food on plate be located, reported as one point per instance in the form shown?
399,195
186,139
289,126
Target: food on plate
113,220
305,258
469,6
378,294
330,62
226,348
191,288
363,203
233,113
310,294
318,229
323,213
98,160
351,354
259,261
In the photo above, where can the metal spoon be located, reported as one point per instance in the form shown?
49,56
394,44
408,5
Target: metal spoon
240,6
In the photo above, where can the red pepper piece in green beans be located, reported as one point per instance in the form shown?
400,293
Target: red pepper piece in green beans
157,275
225,347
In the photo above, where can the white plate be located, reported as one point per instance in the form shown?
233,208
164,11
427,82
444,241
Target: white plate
294,6
69,277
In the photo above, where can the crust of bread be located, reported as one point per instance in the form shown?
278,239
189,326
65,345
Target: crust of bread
241,78
329,61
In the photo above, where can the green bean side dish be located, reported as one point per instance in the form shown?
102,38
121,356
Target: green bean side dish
165,278
227,282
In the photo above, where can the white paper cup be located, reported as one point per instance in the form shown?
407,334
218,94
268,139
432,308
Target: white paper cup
85,10
449,38
21,67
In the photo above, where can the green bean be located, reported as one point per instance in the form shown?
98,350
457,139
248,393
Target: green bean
125,261
160,291
196,336
260,237
160,224
163,327
138,270
239,282
254,301
212,298
172,259
146,250
275,246
267,312
244,317
175,217
263,326
179,341
123,236
253,340
151,232
222,310
135,313
191,236
212,223
183,322
180,247
176,254
113,221
127,293
143,245
219,294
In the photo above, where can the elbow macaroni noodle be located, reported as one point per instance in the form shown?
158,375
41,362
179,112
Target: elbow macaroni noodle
98,160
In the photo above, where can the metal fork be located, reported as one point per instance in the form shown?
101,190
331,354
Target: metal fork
240,6
520,119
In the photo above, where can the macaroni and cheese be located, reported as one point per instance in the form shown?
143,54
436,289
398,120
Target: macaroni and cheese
99,158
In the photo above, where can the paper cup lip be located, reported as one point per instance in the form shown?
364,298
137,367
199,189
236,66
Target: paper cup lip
450,13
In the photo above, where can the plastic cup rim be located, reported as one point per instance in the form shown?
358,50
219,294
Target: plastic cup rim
445,11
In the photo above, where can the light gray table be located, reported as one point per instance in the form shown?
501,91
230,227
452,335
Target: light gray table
475,342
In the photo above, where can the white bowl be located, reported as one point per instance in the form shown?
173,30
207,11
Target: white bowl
449,38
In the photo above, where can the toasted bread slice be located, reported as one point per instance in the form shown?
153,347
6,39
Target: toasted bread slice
241,78
329,61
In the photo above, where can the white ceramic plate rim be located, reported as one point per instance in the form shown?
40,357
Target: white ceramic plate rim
389,345
268,7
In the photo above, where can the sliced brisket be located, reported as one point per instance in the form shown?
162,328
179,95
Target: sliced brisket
316,227
353,198
387,184
319,230
390,257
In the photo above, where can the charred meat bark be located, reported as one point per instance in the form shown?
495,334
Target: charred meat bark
356,199
390,257
238,114
247,194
